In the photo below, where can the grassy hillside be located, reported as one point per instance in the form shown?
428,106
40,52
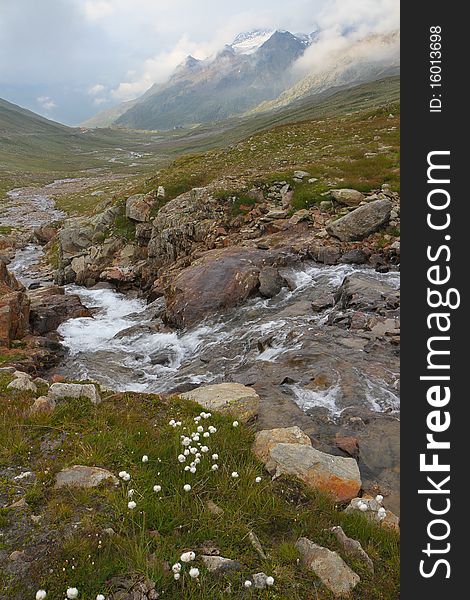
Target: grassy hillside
36,150
69,542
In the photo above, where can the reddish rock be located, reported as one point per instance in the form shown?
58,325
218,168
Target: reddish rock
348,444
220,279
14,308
50,307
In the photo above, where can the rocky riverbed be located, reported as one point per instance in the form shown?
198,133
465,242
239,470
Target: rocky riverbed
303,307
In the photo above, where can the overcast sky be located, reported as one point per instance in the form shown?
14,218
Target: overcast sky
67,59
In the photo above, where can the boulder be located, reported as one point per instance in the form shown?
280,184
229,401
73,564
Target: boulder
138,208
266,440
85,477
352,548
228,398
23,383
182,224
347,196
362,292
14,307
50,307
337,476
220,279
219,564
361,222
60,391
301,174
270,282
329,567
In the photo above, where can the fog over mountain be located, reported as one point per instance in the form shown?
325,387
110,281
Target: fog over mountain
69,59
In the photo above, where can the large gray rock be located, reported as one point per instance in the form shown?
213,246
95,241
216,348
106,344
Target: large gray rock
337,476
81,232
22,383
347,196
361,222
182,224
86,477
329,567
59,391
229,398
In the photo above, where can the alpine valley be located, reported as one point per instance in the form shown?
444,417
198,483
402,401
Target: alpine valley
200,332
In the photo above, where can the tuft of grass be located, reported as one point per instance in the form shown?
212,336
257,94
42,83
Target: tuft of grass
115,435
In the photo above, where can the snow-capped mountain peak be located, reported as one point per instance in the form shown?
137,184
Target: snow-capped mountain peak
249,41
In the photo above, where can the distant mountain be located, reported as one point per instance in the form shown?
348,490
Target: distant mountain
259,71
369,59
240,76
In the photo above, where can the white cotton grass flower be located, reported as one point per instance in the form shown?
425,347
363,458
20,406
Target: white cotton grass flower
124,475
258,480
41,594
187,487
362,506
197,460
157,488
187,452
145,458
187,467
182,458
197,419
235,475
72,593
269,580
195,437
235,424
187,556
100,597
200,429
206,434
194,572
172,423
215,457
192,469
212,429
215,467
193,450
178,423
247,583
207,415
186,441
379,498
176,576
130,493
176,568
381,513
204,449
131,505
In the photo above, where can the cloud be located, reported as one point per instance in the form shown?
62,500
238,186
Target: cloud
46,102
61,48
98,9
96,89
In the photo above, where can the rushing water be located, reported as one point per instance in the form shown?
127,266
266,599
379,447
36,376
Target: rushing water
125,346
122,346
